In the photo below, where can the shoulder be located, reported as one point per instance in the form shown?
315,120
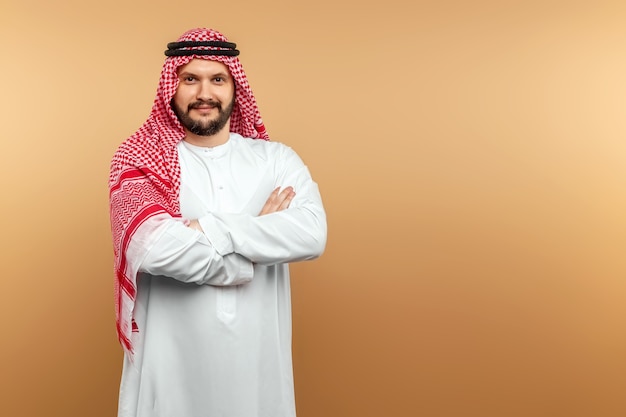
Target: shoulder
128,152
136,152
265,149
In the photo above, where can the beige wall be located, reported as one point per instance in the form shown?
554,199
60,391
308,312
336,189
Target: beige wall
472,158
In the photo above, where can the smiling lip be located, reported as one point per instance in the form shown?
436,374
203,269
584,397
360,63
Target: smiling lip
204,109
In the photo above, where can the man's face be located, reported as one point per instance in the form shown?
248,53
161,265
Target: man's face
205,96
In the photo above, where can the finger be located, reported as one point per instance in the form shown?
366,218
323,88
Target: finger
195,224
272,198
284,194
287,201
270,203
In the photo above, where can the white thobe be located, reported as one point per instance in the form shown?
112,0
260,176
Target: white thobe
213,309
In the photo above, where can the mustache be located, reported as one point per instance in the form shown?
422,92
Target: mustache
205,103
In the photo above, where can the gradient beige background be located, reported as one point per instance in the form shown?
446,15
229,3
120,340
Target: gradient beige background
471,156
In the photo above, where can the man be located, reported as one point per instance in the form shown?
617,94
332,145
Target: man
206,213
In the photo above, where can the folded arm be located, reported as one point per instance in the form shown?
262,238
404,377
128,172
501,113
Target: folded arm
290,232
174,250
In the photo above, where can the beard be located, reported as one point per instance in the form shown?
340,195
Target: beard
204,127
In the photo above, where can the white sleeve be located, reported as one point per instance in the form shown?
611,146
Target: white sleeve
295,234
171,249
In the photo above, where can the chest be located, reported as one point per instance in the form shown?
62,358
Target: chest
230,183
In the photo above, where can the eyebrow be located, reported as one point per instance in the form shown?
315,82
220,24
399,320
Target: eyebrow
218,74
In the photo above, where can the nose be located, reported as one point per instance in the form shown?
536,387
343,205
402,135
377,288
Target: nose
205,91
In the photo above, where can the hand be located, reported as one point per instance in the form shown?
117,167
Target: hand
278,201
195,224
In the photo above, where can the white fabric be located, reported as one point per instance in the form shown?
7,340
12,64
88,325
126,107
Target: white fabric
215,328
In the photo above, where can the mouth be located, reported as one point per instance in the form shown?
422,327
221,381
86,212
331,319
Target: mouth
204,110
204,106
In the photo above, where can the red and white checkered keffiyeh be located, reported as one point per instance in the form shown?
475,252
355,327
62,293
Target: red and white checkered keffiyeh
145,171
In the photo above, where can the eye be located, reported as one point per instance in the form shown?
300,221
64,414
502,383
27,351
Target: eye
218,79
